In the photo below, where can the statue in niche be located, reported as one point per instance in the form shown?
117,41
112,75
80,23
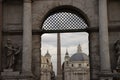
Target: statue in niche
117,51
11,52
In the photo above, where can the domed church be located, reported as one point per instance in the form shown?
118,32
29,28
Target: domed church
76,67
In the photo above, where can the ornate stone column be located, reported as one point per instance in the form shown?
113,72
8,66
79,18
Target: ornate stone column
27,38
1,32
103,38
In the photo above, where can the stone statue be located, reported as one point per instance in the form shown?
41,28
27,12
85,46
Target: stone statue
117,51
11,51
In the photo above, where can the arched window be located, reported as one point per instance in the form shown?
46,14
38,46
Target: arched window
79,65
64,22
72,65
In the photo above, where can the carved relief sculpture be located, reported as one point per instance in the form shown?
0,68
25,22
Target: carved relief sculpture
11,51
117,51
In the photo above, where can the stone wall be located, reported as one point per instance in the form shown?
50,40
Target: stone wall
13,18
113,12
13,28
42,7
36,55
94,55
0,33
89,8
114,24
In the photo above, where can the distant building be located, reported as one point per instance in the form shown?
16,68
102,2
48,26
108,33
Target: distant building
47,72
76,67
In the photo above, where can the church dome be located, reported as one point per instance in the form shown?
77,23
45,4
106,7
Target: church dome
47,54
79,56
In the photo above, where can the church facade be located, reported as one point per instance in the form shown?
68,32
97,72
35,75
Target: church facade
47,72
77,66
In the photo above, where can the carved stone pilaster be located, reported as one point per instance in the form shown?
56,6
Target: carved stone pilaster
104,40
27,38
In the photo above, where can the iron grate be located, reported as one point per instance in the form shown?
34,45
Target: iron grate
64,21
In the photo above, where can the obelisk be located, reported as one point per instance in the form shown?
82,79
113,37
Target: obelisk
59,73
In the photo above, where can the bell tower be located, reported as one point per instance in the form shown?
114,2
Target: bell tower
67,56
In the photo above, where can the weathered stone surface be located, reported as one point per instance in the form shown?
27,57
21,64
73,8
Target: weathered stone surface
13,21
87,7
113,9
1,14
103,36
104,40
27,1
94,55
36,54
9,72
16,40
27,38
112,39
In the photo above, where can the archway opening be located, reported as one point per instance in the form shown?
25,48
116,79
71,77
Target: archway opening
66,21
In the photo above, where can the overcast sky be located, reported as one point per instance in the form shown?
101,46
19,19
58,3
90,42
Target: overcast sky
69,41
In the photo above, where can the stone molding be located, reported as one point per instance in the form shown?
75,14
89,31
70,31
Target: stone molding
27,1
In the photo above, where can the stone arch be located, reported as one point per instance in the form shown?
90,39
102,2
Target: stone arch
68,8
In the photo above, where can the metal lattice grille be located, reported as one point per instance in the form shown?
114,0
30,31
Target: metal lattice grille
64,21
